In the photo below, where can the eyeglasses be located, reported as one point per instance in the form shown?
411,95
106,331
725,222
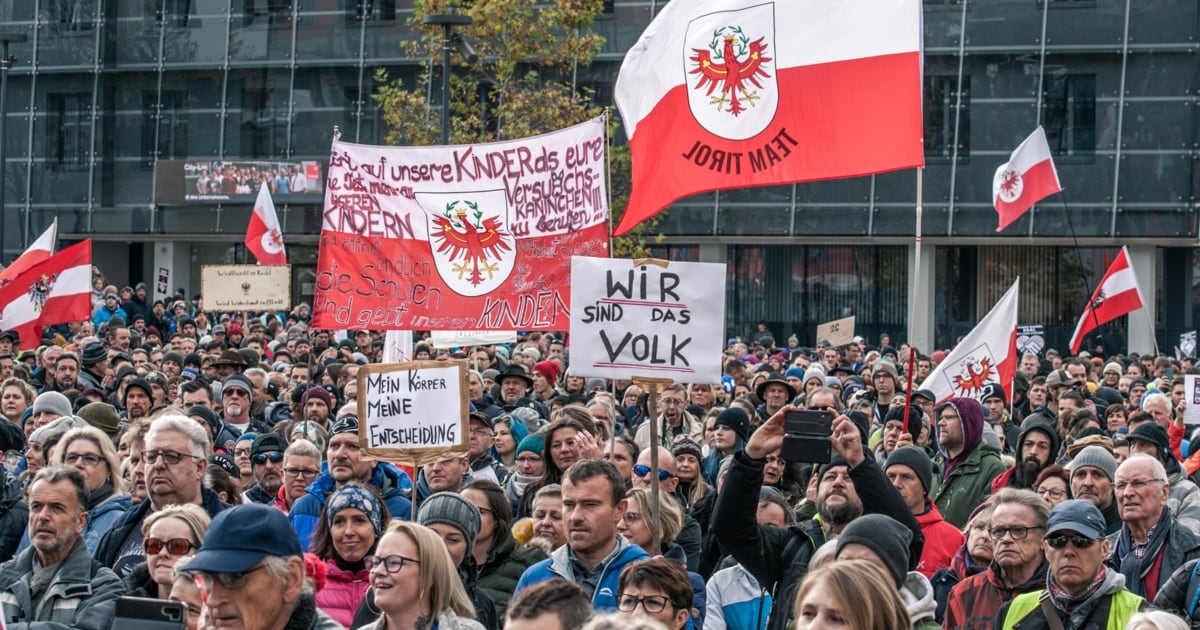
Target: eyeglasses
274,457
231,581
88,460
1018,532
389,564
631,517
642,471
174,546
528,460
300,472
481,433
1053,493
233,391
238,452
170,457
650,603
670,402
1135,484
948,417
1080,542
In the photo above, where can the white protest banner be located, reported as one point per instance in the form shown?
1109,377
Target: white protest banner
647,318
838,332
397,346
413,412
1191,409
459,338
246,287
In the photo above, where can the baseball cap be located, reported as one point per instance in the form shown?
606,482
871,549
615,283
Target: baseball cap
241,536
1075,515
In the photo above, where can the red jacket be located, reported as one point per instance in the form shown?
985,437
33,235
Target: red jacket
1002,480
942,540
974,602
344,591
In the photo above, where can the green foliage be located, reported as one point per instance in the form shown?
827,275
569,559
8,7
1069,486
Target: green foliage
519,86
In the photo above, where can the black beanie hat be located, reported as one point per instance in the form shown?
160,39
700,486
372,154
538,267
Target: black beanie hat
916,459
884,535
735,419
1153,433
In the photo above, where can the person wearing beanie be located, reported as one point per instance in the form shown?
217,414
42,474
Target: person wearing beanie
731,429
48,407
886,379
103,416
967,469
138,399
851,484
911,473
1092,473
237,400
317,404
995,405
354,519
545,380
529,468
1150,438
893,435
884,542
43,440
93,364
458,521
1037,447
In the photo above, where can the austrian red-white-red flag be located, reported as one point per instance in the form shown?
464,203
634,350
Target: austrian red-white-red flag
263,236
988,354
1118,294
37,251
55,291
721,94
1028,177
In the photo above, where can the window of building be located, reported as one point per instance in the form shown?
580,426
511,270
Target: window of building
73,15
264,123
170,125
172,12
941,103
68,128
1069,114
269,12
370,10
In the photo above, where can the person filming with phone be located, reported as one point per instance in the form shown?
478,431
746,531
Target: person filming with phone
851,484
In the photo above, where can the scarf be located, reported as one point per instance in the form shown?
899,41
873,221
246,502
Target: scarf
1136,560
1066,602
963,565
517,484
99,496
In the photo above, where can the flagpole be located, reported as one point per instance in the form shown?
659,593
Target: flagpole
1087,280
608,177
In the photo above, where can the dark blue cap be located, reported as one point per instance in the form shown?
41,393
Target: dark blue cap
1077,516
241,536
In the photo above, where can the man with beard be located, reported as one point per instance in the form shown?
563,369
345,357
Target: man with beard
850,484
139,398
967,468
236,401
1037,447
1018,565
995,403
266,460
317,404
66,373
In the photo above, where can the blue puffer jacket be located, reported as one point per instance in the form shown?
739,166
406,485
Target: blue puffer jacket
392,483
558,565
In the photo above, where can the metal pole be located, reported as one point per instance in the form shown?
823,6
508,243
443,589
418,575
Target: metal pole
6,63
446,34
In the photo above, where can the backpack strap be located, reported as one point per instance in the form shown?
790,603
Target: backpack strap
1195,596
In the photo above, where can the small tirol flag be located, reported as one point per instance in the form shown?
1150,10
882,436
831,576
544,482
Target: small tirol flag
1028,177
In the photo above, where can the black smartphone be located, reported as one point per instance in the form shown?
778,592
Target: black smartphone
141,613
806,436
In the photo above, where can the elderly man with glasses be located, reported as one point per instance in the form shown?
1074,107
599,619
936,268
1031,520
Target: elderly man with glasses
1080,591
266,461
251,572
673,420
174,462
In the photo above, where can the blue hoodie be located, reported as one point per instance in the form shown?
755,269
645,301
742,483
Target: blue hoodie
392,483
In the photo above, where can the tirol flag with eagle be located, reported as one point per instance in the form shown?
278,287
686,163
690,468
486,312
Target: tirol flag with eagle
721,94
988,354
464,237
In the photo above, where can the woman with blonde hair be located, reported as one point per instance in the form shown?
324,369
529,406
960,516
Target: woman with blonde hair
852,594
416,583
91,451
639,528
170,534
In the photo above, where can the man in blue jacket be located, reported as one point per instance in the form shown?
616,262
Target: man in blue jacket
344,463
593,496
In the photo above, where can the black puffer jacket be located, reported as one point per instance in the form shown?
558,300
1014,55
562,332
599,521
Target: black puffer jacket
14,517
500,573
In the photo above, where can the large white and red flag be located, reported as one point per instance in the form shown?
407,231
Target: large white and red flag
263,236
1028,177
39,250
54,291
1118,294
721,94
988,354
475,237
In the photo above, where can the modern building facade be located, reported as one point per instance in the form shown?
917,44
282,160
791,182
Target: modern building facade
104,89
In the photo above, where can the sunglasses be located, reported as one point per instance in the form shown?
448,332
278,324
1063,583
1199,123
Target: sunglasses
642,471
1080,542
274,457
174,546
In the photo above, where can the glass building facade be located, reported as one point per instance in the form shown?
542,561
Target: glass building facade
102,89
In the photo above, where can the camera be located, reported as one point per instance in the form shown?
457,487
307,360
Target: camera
806,436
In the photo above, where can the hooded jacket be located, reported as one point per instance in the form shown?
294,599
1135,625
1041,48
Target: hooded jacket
1008,478
917,594
736,601
973,603
82,595
1180,595
392,483
942,541
967,478
558,565
1109,607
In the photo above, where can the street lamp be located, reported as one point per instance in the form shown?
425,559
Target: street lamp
6,63
450,40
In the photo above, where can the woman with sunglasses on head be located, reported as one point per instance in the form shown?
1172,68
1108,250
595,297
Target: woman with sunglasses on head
346,533
170,534
415,583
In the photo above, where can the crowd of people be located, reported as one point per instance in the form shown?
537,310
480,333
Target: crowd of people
213,459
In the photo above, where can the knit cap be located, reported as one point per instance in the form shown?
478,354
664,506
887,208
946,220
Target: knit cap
548,369
1098,458
686,445
93,353
532,443
103,416
453,510
53,432
1152,433
52,401
916,459
359,498
735,419
884,535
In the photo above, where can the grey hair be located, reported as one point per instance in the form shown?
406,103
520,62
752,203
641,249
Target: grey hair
303,448
279,568
1159,619
1160,471
56,474
1156,398
197,438
1028,498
